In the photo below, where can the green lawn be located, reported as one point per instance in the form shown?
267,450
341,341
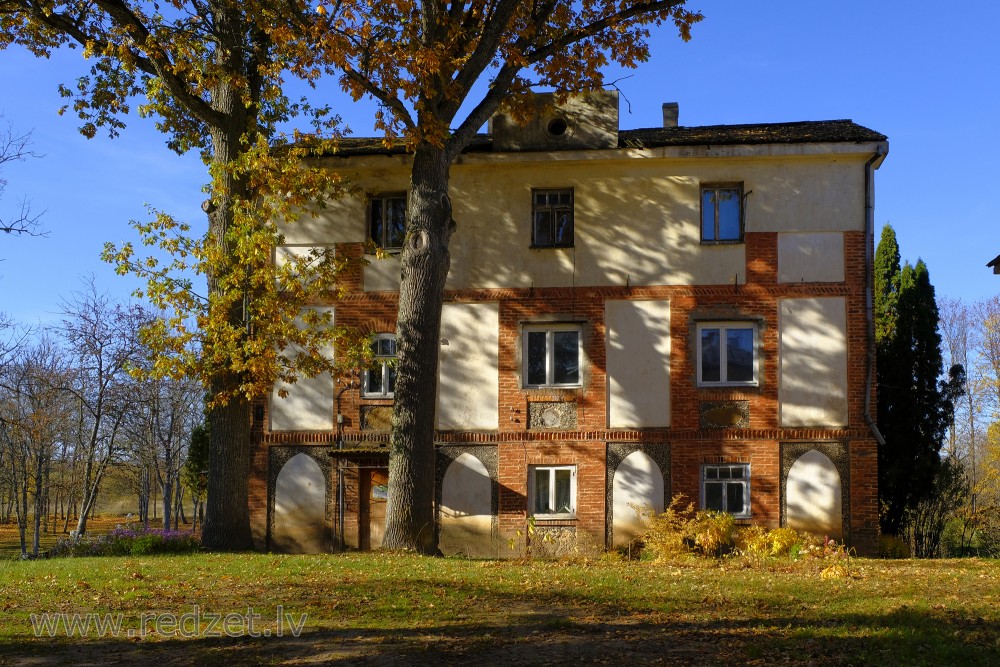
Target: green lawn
402,609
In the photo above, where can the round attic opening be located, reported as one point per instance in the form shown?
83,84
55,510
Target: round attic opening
557,127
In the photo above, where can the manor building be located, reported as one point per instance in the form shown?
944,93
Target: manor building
630,315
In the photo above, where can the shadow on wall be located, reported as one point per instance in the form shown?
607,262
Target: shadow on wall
300,524
814,496
632,225
638,482
813,352
466,513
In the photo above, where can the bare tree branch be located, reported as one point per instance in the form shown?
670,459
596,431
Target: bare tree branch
14,147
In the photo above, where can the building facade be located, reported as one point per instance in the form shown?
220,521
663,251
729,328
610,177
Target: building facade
630,315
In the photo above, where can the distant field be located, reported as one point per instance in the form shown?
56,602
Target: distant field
394,609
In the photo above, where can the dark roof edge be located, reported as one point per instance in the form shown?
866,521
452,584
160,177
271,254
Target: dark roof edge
800,132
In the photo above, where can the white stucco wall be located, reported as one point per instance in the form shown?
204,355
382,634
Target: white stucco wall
309,403
381,274
636,211
637,481
466,509
813,362
813,495
811,257
638,363
469,373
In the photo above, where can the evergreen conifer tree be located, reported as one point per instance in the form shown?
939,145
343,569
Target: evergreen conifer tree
914,405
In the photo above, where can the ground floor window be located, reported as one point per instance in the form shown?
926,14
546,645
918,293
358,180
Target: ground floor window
553,491
726,488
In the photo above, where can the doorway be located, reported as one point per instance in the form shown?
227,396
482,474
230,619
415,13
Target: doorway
374,491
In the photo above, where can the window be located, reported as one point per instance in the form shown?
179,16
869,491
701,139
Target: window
552,218
727,353
722,213
551,355
553,491
387,221
726,488
380,377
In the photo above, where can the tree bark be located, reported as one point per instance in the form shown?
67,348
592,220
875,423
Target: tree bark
227,516
227,520
425,263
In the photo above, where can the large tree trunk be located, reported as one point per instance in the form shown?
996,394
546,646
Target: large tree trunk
89,497
425,264
227,515
227,519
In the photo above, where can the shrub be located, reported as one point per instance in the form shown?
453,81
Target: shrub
127,542
666,533
679,530
754,543
712,532
890,546
784,541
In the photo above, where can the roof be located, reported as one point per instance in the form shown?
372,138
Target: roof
995,264
803,132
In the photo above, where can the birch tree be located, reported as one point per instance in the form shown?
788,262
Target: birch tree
103,341
35,416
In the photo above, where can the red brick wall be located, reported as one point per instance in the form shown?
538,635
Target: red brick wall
758,444
515,458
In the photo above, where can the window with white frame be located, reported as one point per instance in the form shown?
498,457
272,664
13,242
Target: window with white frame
387,221
727,353
722,213
551,355
552,218
380,376
726,488
553,491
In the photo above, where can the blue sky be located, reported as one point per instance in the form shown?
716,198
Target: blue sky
926,76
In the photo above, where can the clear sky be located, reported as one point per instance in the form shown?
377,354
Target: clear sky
922,73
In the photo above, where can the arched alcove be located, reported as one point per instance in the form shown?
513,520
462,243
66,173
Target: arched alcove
639,482
300,524
466,509
814,496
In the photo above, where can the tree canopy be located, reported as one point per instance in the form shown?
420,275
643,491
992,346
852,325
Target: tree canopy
211,75
440,70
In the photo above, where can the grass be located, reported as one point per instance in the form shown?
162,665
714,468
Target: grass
404,609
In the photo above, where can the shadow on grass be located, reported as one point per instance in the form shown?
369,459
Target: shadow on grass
905,636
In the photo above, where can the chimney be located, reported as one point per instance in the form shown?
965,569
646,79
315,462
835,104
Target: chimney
670,114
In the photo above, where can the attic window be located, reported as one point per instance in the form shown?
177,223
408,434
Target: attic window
722,213
557,127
